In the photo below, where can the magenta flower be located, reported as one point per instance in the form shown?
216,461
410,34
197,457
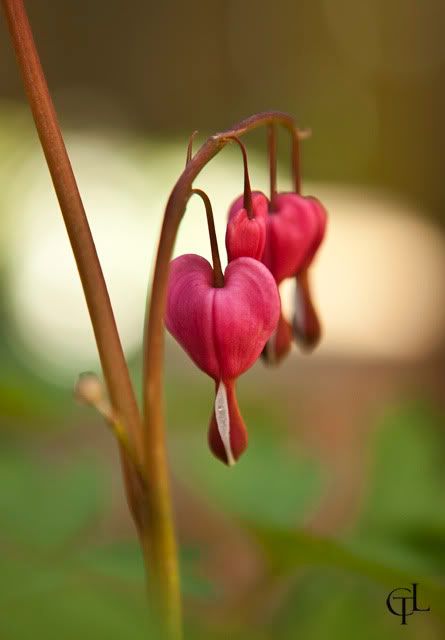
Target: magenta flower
295,227
224,330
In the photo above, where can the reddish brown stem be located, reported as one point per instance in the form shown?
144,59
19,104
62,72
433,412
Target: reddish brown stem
272,148
247,203
96,294
218,276
107,338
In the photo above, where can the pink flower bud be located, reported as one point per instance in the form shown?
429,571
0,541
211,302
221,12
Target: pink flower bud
246,232
224,330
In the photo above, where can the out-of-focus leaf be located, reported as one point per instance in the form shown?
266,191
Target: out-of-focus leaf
288,551
330,601
271,484
407,480
123,562
43,506
78,607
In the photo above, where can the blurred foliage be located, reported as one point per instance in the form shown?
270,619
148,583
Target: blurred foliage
53,568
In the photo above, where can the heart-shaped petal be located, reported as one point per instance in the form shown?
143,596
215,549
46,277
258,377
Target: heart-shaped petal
294,232
222,329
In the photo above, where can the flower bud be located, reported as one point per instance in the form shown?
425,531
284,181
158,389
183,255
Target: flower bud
246,232
89,389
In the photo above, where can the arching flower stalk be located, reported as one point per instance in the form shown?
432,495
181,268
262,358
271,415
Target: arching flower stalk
246,286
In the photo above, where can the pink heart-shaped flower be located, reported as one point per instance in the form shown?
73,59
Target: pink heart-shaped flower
224,330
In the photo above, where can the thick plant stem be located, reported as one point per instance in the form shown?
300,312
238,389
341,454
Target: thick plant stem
102,318
156,544
96,294
163,544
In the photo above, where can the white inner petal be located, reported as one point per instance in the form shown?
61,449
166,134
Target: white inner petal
299,317
223,421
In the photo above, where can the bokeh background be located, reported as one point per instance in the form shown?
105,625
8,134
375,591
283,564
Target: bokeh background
340,497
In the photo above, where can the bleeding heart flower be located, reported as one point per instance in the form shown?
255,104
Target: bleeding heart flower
224,330
246,232
295,229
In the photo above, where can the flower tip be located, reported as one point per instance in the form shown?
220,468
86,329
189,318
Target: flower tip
227,436
305,325
279,344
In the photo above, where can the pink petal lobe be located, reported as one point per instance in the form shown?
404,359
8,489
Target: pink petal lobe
223,329
246,312
189,308
294,233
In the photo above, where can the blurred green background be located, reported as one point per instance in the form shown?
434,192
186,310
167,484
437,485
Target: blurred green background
340,496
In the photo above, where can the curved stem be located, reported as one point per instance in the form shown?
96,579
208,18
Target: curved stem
218,277
162,546
247,204
272,148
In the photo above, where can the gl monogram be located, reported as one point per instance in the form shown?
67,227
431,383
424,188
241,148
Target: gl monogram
397,604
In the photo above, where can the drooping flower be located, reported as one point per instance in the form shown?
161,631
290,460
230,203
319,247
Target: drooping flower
224,330
295,227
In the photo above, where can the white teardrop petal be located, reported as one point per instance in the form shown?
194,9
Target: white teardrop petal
223,421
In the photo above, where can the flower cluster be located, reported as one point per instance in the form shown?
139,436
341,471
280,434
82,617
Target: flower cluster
226,321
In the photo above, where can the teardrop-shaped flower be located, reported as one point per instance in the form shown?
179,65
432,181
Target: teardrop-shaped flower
224,330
